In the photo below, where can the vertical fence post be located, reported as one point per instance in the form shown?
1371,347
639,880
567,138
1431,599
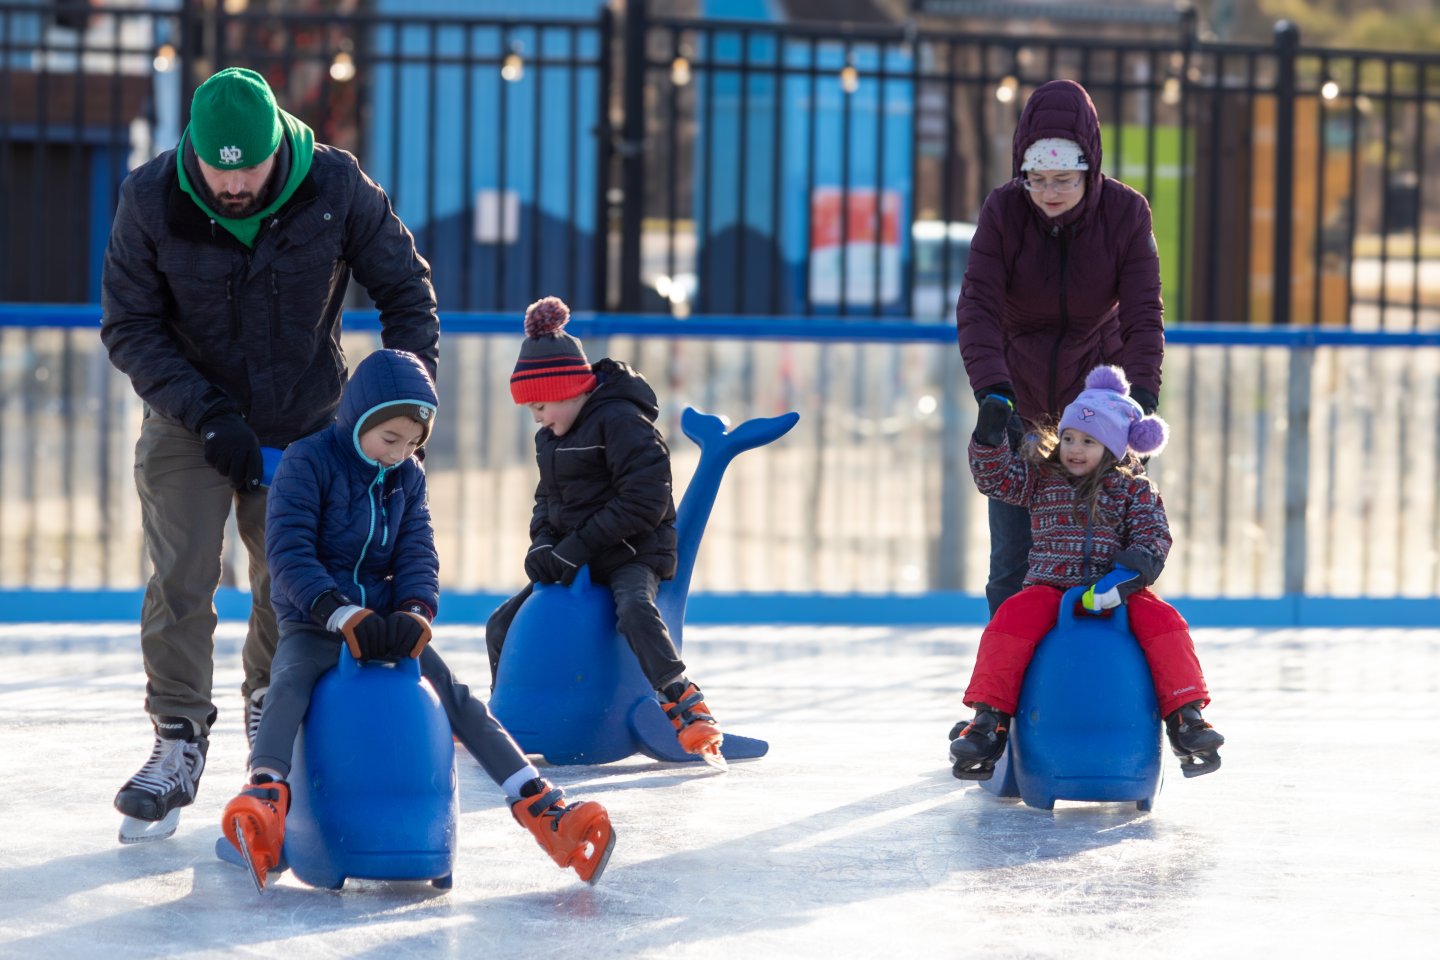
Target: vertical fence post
1287,38
1297,400
632,155
950,561
604,156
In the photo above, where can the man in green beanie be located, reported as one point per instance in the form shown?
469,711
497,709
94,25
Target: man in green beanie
224,279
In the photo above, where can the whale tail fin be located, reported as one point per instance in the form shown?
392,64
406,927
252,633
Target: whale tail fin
711,434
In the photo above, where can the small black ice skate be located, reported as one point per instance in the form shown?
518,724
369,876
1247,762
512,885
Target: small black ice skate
1193,740
975,746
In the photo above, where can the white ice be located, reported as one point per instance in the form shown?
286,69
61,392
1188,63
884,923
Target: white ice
1319,837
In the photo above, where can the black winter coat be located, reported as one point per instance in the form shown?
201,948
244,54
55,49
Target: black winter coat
202,325
605,484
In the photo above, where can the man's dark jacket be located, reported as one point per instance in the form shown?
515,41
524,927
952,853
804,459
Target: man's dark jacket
1044,300
607,480
203,326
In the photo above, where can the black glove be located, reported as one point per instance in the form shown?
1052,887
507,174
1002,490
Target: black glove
538,564
232,448
994,418
407,631
364,633
996,390
1147,400
568,557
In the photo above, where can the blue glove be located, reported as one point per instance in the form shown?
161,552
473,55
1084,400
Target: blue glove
1112,589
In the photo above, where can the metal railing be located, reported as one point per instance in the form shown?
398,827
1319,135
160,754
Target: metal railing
1302,462
695,166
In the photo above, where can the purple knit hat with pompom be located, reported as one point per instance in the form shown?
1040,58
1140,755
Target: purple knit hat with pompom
1105,411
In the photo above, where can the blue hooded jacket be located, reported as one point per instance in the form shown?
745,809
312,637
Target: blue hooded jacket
338,520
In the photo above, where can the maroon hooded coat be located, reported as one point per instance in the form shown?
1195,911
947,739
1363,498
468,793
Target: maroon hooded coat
1045,300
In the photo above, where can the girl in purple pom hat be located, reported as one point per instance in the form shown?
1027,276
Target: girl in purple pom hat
1095,519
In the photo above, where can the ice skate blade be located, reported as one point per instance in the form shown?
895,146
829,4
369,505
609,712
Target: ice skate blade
255,877
715,760
1199,764
135,830
982,773
591,869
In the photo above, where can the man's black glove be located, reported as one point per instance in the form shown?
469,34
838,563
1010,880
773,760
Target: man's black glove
568,557
538,564
994,418
232,448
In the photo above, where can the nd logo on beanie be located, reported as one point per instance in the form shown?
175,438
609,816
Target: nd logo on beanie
234,120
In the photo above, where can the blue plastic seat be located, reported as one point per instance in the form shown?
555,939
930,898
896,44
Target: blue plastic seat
373,788
568,687
1088,724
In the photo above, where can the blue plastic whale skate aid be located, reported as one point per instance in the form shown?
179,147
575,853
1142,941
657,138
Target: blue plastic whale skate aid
1088,724
568,687
373,790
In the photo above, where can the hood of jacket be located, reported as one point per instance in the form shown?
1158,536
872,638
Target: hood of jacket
1062,108
618,382
385,378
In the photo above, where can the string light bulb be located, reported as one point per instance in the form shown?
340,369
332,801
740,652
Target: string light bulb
164,60
513,67
680,71
1005,92
342,68
849,76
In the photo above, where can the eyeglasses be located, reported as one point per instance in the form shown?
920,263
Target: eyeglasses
1059,184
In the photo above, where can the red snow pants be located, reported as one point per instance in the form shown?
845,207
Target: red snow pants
1021,623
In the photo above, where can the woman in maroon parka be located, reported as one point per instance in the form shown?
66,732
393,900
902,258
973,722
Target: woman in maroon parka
1063,277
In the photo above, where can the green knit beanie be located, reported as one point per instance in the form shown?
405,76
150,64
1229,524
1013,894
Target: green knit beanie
234,121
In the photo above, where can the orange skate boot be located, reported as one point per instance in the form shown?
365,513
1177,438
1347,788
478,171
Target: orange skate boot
577,835
255,823
695,728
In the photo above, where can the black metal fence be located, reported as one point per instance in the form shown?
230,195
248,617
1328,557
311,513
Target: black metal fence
690,166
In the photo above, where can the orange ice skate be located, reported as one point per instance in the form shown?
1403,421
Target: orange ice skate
578,835
255,823
695,728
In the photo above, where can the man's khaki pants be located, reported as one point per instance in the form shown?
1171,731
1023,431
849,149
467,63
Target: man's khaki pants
185,505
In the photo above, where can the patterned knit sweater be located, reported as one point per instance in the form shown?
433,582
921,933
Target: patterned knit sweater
1067,547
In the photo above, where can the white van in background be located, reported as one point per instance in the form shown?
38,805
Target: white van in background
937,291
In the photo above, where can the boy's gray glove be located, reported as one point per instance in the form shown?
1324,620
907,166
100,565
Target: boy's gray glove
990,425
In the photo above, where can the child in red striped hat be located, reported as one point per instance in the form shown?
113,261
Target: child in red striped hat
604,500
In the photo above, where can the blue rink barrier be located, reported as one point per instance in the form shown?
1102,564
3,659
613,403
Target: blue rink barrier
51,606
749,327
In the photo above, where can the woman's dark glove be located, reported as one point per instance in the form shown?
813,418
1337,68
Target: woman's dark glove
995,414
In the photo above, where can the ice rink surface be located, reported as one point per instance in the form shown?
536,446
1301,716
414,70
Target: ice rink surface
1319,837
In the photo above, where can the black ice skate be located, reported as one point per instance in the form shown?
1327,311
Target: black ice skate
1194,741
976,746
151,800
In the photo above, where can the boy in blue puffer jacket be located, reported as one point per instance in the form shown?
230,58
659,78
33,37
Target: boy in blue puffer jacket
353,561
